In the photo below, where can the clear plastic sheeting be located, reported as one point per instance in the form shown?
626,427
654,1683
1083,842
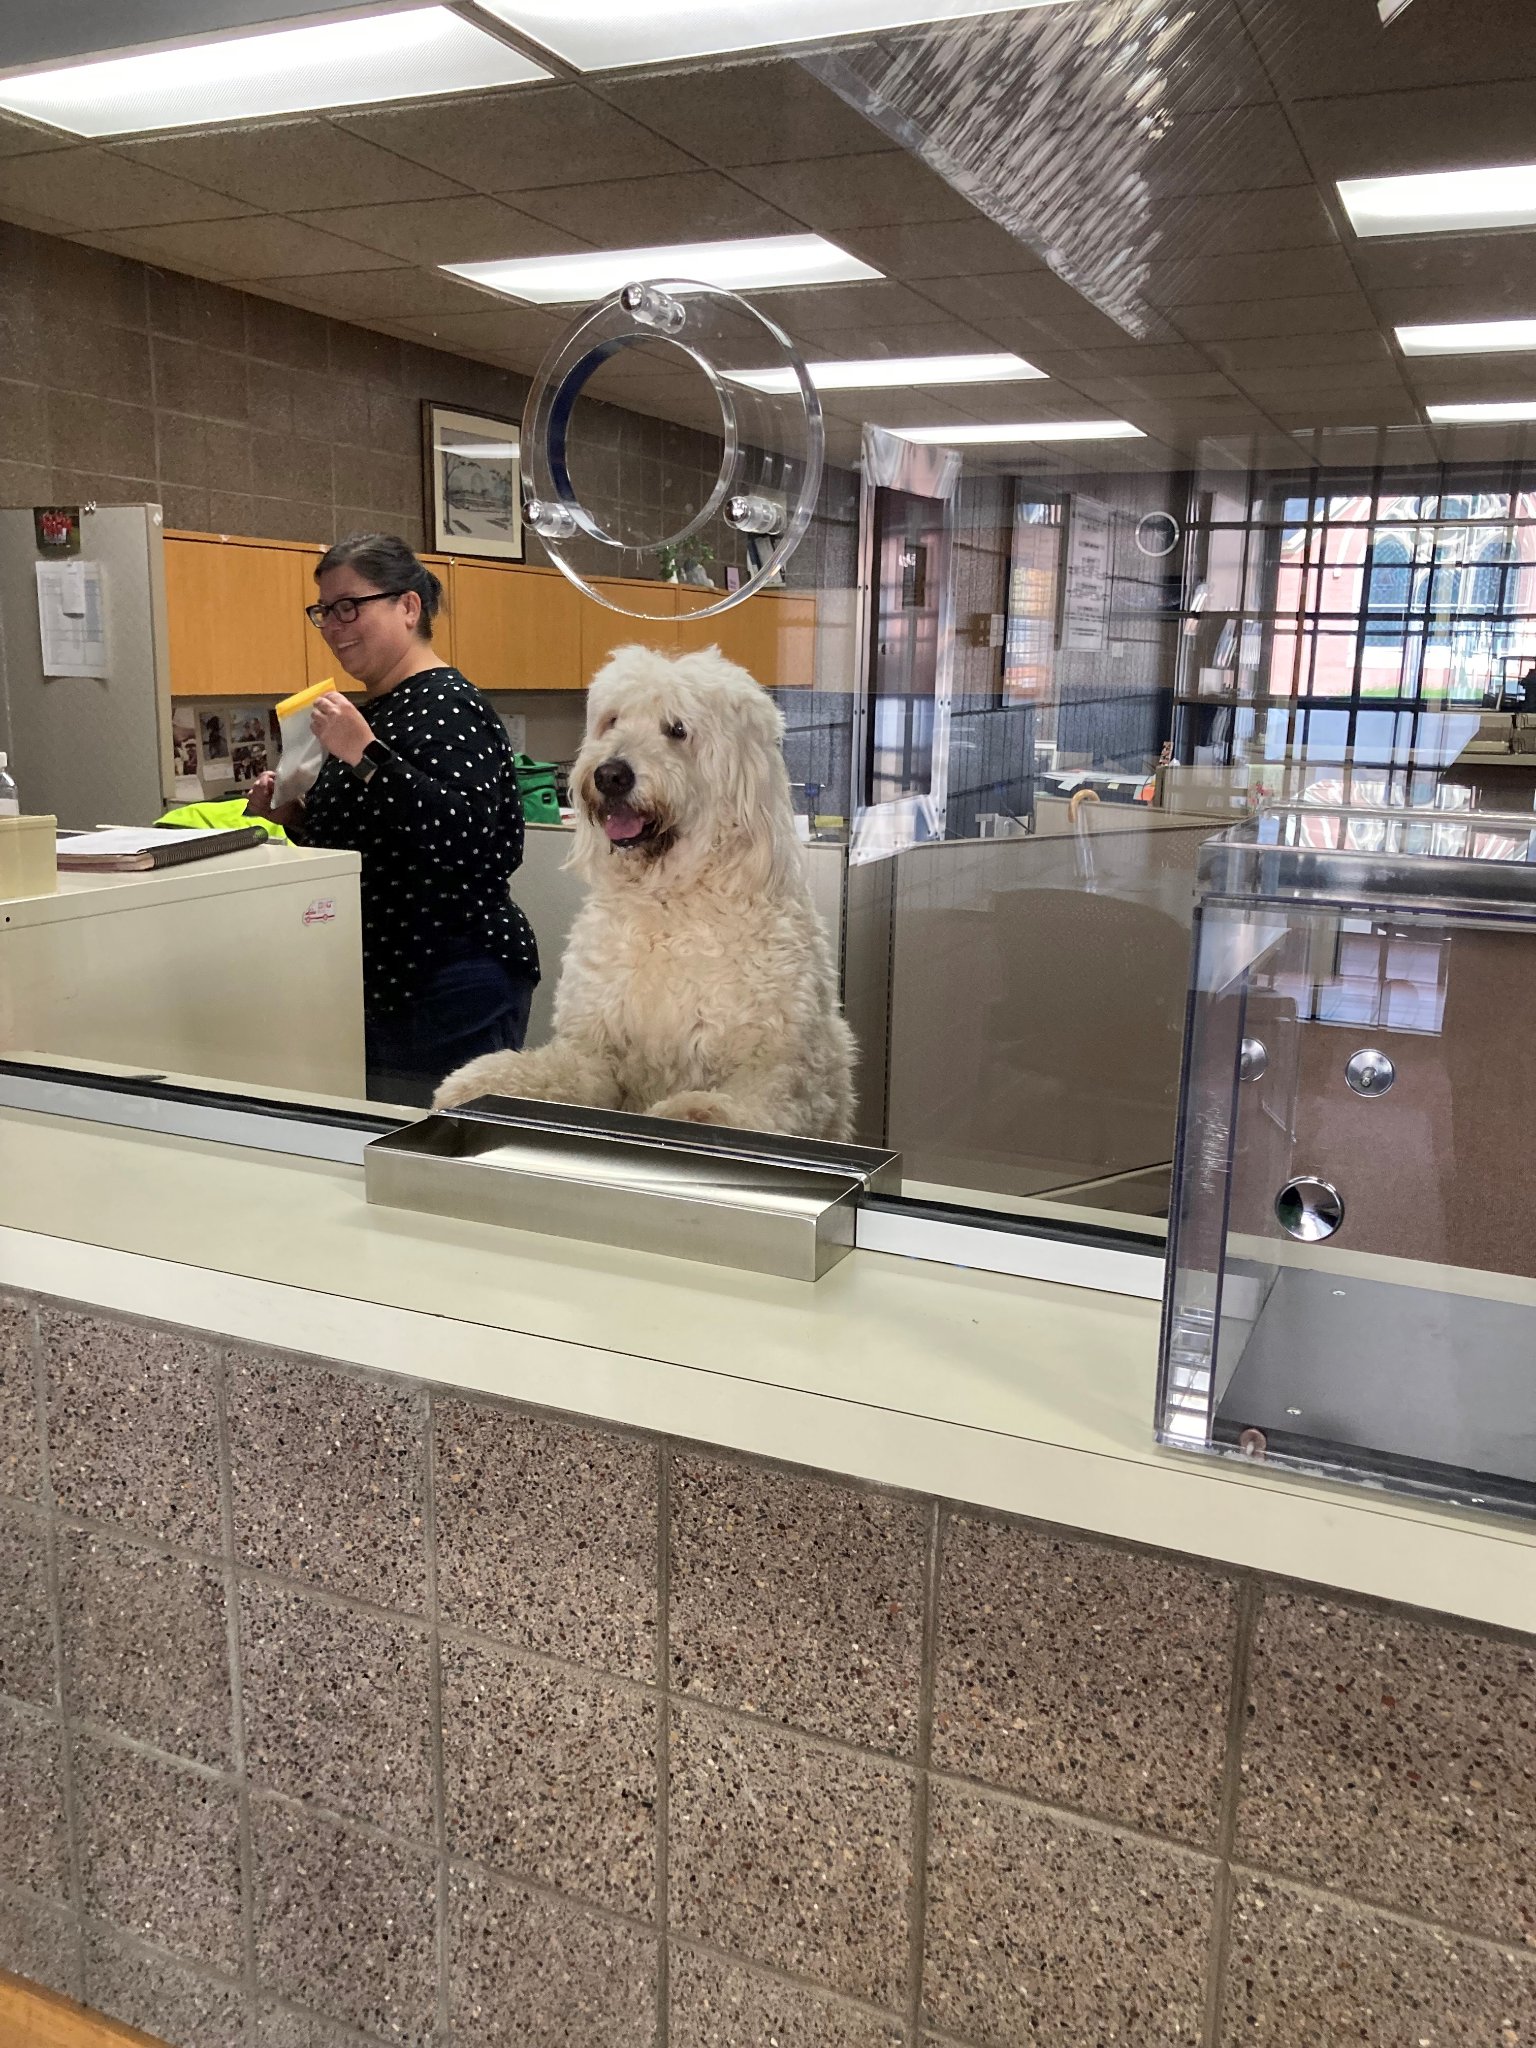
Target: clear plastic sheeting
739,488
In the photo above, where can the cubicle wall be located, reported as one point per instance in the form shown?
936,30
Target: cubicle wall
1037,1003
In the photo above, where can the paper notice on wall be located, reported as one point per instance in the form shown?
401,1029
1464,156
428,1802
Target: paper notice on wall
1085,598
72,618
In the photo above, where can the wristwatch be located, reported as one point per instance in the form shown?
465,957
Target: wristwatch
374,757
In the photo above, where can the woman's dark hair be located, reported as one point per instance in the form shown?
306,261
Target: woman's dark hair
384,559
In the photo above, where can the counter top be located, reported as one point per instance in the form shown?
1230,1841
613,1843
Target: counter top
224,874
999,1392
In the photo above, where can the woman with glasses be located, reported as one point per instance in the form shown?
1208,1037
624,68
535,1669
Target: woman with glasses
421,781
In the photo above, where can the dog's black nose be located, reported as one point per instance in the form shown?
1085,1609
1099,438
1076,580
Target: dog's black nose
614,779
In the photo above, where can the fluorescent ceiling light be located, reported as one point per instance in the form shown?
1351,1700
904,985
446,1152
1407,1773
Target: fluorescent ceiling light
1435,202
1029,430
761,263
1468,338
359,62
596,34
885,373
1470,415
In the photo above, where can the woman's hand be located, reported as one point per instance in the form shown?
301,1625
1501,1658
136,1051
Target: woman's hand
340,728
259,804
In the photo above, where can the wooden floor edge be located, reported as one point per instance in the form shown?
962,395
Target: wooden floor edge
32,2017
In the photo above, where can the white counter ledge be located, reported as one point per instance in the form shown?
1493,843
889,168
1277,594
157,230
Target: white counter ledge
997,1392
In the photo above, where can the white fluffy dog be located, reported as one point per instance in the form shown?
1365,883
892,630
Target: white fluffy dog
697,981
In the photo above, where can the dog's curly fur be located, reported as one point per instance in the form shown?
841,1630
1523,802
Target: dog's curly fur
697,981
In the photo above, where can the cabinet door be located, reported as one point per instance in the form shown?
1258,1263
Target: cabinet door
602,630
772,636
235,618
516,629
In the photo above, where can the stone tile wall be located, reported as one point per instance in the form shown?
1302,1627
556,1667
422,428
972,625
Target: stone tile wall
336,1708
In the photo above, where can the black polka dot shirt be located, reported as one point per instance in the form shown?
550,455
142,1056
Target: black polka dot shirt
440,830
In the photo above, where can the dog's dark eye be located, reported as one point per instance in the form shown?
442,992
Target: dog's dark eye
677,730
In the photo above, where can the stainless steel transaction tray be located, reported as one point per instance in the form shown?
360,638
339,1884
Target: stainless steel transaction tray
690,1191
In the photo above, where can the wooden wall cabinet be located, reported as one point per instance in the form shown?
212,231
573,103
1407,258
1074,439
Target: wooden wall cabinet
238,630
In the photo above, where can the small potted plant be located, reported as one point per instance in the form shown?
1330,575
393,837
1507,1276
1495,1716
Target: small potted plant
686,561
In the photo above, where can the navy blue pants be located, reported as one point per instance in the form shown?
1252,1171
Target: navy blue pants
467,1007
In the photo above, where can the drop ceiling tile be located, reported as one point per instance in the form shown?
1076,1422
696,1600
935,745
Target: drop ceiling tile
1239,223
519,140
750,113
1304,379
241,249
1309,45
1496,273
896,409
94,191
1086,328
832,309
21,138
38,223
934,249
1132,359
829,193
1360,409
1376,135
689,206
1281,351
290,166
1414,306
860,344
1333,313
470,229
1452,380
402,294
1276,273
1113,391
1244,150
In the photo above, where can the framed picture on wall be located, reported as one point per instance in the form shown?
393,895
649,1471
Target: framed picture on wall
474,484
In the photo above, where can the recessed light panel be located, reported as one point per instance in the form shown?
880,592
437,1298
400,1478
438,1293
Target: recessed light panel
1468,338
1474,415
596,35
759,263
354,63
1437,202
887,373
1029,430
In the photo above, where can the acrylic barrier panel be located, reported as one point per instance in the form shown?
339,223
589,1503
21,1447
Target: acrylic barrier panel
1352,1276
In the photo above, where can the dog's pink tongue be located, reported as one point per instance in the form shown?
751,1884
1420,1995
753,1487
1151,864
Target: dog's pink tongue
623,824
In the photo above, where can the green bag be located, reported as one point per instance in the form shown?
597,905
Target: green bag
225,816
536,787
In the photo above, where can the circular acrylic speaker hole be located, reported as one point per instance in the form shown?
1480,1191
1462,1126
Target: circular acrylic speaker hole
1158,534
672,435
1309,1209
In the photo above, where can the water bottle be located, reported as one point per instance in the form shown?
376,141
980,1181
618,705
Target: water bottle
10,800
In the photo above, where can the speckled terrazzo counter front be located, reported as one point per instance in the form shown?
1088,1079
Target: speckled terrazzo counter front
342,1708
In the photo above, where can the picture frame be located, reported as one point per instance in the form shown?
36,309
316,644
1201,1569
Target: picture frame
474,483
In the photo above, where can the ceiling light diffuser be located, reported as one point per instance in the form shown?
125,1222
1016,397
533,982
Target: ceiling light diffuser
353,63
761,263
1436,202
595,35
1481,414
886,373
1468,338
1028,430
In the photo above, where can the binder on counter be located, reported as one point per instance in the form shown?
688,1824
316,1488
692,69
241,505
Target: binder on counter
120,850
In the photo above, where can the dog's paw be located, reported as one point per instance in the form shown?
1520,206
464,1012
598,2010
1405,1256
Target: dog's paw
693,1106
494,1074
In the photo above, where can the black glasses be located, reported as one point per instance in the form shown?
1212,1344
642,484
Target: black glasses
344,609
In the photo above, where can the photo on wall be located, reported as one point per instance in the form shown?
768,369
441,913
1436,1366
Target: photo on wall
474,484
